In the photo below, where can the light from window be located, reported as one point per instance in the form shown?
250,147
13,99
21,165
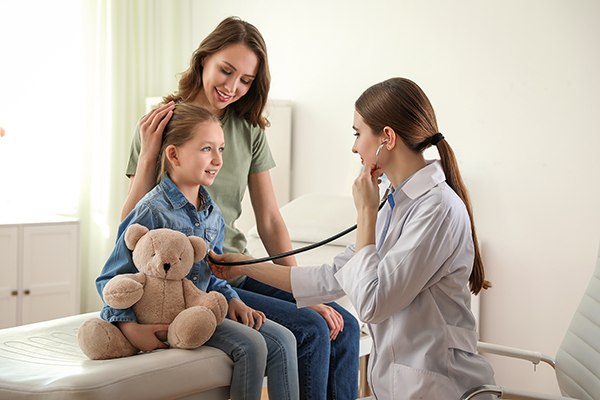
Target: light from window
41,105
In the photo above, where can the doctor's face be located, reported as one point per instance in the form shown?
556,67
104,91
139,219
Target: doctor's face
366,143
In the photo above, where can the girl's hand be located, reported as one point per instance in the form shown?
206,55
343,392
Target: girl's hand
227,272
238,311
334,319
151,130
143,336
365,189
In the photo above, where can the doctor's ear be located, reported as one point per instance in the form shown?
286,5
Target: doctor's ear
390,137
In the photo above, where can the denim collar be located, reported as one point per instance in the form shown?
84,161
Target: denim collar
178,200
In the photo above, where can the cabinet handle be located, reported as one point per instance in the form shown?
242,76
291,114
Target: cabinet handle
27,291
14,293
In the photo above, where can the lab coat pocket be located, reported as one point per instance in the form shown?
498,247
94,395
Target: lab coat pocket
416,384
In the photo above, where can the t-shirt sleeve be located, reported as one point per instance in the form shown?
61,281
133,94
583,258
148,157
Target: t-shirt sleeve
262,159
134,152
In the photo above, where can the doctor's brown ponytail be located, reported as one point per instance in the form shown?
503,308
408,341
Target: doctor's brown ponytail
454,180
401,104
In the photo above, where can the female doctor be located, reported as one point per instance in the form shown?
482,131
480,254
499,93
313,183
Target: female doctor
410,271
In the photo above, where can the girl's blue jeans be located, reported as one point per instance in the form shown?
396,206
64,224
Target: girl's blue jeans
327,369
271,350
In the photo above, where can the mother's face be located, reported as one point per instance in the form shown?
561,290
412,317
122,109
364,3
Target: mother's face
227,76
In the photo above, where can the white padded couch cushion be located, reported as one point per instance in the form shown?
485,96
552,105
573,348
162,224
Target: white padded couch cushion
43,360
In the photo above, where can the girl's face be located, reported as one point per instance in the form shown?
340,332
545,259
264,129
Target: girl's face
227,76
201,158
366,143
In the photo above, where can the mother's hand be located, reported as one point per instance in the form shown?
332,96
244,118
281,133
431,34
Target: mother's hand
151,130
334,319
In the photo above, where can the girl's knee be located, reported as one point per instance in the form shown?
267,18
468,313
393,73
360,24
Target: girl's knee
279,339
255,344
287,341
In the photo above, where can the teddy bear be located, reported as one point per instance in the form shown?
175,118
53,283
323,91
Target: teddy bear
159,293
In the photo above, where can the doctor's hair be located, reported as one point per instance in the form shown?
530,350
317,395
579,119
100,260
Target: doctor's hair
182,127
403,106
230,31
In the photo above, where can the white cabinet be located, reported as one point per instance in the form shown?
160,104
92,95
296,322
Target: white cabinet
39,269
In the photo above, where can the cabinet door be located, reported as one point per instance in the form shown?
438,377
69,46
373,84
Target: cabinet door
9,284
50,272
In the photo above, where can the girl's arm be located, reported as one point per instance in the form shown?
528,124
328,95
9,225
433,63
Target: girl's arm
141,336
151,128
238,310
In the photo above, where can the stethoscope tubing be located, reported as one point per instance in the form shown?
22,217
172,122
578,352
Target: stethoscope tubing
298,250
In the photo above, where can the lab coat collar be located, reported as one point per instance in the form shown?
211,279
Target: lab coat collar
424,179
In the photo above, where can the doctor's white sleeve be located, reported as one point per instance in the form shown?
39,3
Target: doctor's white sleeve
316,285
381,285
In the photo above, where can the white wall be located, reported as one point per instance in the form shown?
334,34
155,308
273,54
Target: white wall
515,86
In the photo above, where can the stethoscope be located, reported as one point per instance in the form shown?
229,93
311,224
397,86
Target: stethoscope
311,246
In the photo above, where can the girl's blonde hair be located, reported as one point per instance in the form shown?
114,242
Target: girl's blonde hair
402,105
230,31
181,128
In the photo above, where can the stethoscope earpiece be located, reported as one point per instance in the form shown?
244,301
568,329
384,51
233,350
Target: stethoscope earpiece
379,150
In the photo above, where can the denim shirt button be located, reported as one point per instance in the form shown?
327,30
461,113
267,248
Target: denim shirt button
197,224
194,278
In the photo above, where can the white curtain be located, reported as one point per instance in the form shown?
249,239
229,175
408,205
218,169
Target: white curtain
133,49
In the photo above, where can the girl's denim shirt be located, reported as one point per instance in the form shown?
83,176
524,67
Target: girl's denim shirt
166,207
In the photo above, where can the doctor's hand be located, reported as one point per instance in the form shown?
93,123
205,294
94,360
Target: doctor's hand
151,130
365,189
334,319
227,272
238,311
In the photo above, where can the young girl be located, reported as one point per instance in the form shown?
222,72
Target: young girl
409,273
190,158
229,75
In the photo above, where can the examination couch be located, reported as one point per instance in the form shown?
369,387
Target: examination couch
43,360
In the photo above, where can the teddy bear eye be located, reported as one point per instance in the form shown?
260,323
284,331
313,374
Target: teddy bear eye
153,254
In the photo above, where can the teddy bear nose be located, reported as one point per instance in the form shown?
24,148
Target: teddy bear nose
167,267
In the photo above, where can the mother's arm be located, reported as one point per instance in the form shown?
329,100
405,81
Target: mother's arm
269,222
276,239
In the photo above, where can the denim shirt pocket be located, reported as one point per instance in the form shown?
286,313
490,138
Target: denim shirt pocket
210,235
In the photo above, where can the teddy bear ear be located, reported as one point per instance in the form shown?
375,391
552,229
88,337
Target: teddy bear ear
134,234
199,246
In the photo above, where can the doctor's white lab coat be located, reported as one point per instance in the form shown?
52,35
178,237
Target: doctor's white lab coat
411,287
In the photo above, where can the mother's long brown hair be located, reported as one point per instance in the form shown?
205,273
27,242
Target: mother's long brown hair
403,106
230,31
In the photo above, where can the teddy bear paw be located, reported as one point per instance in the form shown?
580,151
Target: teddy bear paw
192,328
101,340
216,302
